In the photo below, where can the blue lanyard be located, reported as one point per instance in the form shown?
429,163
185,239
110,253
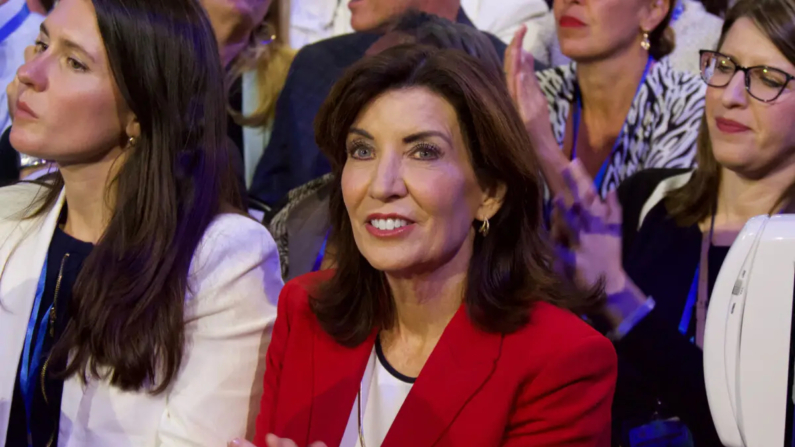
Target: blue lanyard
15,22
692,297
692,294
319,259
600,176
31,360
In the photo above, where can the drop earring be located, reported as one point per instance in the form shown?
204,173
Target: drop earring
645,43
484,227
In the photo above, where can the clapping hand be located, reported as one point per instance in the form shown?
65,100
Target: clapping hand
587,231
531,103
591,250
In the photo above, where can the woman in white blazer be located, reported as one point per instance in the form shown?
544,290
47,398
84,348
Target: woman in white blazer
135,298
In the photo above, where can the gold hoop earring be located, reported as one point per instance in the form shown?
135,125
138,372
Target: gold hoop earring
645,43
132,142
484,227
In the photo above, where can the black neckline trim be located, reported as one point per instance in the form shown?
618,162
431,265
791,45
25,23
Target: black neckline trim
392,371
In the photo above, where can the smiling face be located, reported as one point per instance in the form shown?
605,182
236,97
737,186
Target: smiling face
748,136
408,184
67,106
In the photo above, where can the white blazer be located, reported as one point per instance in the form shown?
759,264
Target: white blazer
235,282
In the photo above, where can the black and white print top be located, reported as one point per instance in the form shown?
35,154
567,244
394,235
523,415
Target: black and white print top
661,127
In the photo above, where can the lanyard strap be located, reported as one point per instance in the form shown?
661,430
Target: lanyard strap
600,176
15,22
698,296
703,283
31,352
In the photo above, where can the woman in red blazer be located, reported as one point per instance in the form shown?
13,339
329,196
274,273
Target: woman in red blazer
443,323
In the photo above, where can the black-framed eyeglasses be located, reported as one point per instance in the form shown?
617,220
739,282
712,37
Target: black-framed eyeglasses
763,83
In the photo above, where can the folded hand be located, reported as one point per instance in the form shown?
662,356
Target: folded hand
273,441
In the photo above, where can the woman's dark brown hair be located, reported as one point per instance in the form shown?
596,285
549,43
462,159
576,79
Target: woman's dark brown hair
696,200
662,38
511,268
126,314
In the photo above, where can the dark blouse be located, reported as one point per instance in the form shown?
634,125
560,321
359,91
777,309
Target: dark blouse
9,160
660,370
65,258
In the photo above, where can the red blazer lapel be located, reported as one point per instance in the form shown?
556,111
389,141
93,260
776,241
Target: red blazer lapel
462,361
337,372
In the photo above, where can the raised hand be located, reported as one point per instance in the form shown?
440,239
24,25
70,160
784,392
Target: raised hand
531,103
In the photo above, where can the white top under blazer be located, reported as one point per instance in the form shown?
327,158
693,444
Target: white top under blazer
229,312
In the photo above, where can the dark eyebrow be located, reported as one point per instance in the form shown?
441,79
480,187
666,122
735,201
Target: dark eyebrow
734,61
423,135
729,56
361,132
68,43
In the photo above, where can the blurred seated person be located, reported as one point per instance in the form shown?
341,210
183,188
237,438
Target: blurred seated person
301,228
696,24
292,157
250,37
678,225
443,322
620,108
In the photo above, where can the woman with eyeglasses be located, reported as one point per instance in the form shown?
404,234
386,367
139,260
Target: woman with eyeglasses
660,267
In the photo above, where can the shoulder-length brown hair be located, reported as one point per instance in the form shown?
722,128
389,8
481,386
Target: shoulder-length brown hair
696,200
511,268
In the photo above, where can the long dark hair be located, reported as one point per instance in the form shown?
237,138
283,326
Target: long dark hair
127,307
511,268
696,200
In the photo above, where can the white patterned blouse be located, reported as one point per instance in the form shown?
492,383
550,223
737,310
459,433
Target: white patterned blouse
661,127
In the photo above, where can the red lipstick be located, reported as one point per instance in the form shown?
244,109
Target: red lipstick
570,22
730,126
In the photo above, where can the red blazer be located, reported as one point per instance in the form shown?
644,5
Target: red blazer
548,384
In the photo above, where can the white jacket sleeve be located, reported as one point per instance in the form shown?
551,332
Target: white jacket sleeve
229,313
